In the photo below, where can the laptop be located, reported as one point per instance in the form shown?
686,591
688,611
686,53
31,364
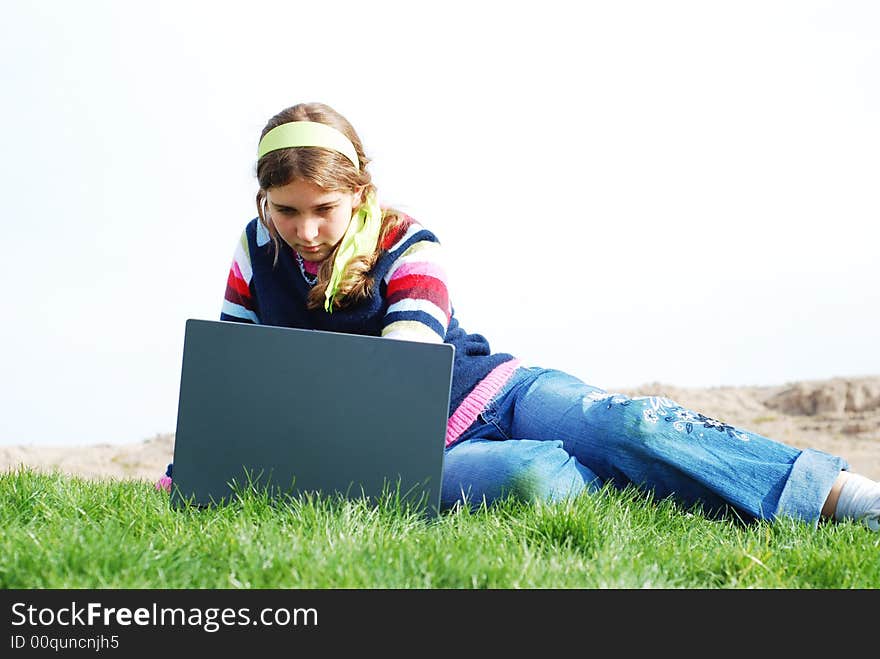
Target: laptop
291,412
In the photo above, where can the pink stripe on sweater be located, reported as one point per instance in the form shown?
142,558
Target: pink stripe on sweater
428,268
470,408
237,272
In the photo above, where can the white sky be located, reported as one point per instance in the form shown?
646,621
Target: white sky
682,192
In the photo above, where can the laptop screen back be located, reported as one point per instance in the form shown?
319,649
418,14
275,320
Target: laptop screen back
290,411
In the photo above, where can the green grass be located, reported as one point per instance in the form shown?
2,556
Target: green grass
65,532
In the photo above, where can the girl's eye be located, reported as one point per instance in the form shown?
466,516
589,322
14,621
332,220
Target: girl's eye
322,210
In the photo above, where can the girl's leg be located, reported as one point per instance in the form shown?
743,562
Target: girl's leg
830,504
478,470
657,444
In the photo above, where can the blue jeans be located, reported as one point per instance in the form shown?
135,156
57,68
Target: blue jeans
548,435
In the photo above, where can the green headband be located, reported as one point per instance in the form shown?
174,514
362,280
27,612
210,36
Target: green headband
307,133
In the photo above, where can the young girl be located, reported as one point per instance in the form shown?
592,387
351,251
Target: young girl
323,254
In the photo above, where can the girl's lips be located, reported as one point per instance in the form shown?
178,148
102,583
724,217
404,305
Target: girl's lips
309,250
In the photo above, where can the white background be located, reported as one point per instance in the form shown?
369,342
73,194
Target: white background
677,192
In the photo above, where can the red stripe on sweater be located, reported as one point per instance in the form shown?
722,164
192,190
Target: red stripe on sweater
441,301
238,286
398,232
419,287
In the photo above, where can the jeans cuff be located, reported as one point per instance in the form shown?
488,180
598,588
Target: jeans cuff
812,476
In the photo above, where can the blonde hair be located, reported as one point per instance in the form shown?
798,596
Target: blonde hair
330,170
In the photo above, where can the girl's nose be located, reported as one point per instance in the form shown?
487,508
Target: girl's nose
307,230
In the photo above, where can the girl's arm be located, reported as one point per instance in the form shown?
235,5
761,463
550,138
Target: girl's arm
238,302
418,299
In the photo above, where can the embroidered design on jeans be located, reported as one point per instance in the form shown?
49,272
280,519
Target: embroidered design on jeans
663,409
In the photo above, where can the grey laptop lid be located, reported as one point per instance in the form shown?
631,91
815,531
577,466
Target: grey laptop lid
291,411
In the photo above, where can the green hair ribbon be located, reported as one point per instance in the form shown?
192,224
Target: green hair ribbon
307,133
359,240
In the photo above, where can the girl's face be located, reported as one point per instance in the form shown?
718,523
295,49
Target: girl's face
311,219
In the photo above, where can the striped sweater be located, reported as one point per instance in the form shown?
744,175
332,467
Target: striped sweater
410,301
